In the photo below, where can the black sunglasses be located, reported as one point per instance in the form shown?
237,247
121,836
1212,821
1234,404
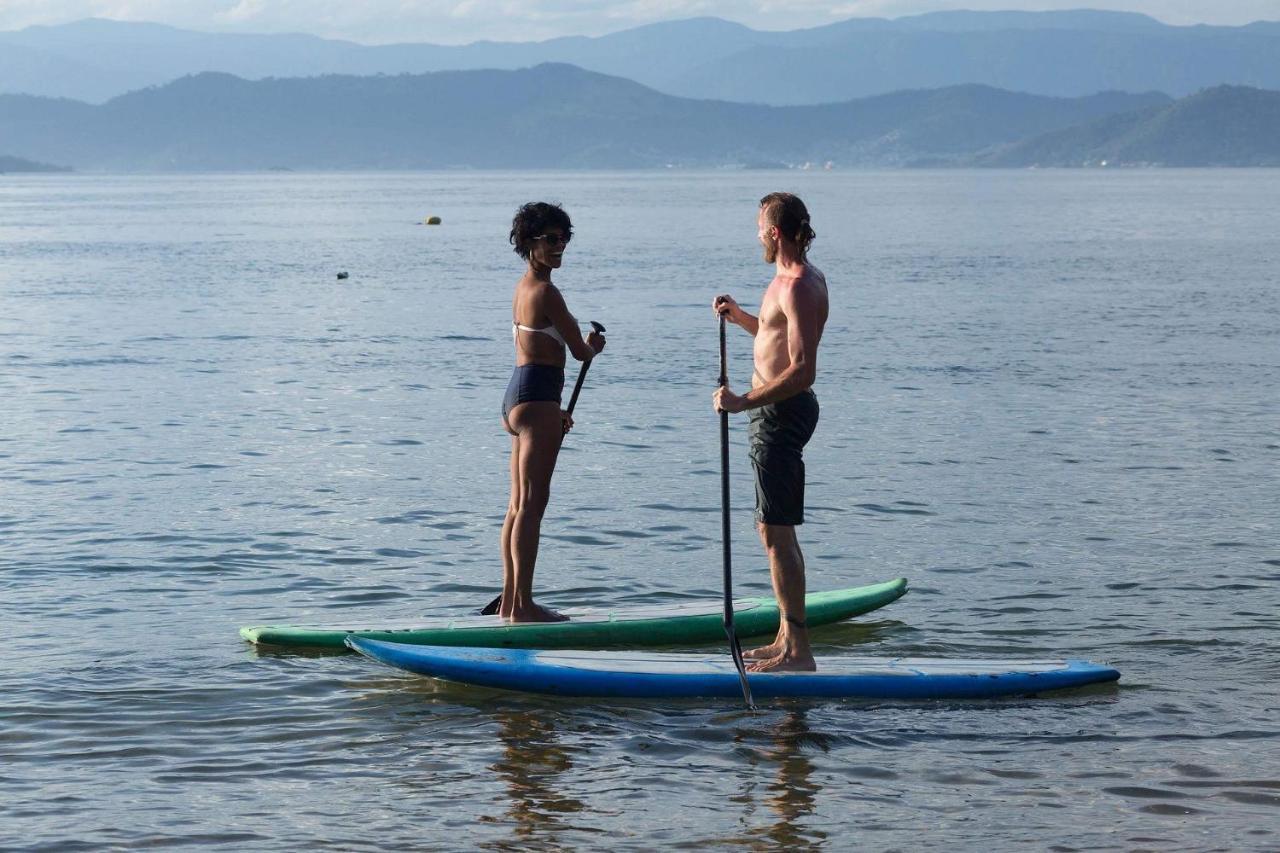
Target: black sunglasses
553,239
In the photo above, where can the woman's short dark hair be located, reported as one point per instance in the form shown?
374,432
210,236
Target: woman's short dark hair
532,221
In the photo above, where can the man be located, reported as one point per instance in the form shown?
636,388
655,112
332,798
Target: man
784,411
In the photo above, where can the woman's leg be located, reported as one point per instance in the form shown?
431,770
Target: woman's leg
508,559
539,435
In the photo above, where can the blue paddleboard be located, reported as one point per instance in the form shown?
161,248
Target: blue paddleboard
650,675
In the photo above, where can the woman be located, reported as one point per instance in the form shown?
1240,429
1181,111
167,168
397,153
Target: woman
543,329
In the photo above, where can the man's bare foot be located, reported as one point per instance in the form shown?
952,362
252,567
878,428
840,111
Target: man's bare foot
785,663
536,613
764,652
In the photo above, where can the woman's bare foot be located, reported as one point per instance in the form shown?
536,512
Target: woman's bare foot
536,613
785,662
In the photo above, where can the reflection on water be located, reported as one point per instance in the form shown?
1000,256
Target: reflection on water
792,794
532,764
539,772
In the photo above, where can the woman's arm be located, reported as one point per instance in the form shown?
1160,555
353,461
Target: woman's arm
558,313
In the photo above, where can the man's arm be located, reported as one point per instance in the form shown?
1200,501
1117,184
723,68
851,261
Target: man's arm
732,311
800,305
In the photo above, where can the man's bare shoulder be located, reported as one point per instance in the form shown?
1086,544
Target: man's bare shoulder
808,281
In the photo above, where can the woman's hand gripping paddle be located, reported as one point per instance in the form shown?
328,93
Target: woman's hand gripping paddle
494,606
582,372
735,649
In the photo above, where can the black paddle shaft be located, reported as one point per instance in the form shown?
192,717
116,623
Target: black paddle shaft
494,606
735,648
582,373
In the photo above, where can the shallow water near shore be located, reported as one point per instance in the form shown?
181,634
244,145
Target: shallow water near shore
1048,399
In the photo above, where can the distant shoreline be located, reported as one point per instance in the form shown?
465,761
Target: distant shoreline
20,166
216,122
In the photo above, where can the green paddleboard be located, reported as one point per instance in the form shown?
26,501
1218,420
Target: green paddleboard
593,628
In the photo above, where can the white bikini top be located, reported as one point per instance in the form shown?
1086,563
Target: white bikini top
549,331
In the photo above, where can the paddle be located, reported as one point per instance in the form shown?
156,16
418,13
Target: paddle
582,372
735,649
493,606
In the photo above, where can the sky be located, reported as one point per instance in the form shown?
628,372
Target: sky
461,21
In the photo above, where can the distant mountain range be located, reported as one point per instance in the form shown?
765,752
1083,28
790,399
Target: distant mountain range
17,164
1051,53
551,116
1224,126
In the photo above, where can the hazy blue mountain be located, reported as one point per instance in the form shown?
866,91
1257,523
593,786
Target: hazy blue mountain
17,164
505,119
1072,19
97,59
1056,53
1222,126
1045,61
106,58
37,112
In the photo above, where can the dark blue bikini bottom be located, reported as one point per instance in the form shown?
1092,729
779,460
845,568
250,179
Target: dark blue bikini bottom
531,383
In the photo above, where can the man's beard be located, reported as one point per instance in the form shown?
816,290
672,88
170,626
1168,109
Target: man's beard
771,253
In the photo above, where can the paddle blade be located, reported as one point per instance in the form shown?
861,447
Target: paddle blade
735,649
491,608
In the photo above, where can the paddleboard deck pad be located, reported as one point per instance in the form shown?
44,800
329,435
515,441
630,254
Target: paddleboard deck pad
654,675
591,628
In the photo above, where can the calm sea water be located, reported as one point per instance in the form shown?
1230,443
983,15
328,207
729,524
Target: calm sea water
1049,399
